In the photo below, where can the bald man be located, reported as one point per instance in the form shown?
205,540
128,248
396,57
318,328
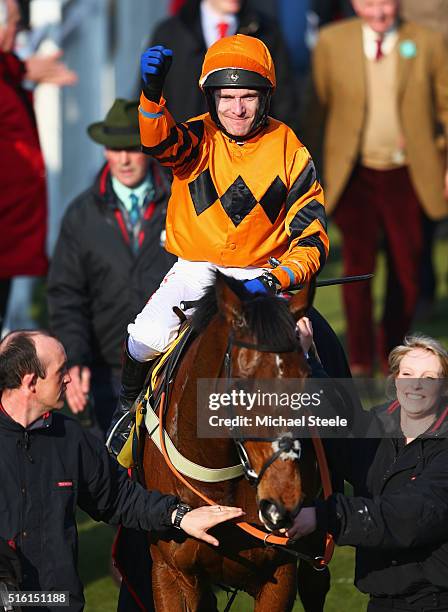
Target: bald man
50,465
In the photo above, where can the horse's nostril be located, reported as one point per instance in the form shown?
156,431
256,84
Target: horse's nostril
271,512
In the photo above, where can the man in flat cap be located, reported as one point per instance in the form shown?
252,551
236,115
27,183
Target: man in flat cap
109,259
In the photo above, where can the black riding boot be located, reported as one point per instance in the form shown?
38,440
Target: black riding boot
133,378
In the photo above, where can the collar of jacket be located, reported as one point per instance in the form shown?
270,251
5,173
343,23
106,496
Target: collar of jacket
389,415
7,423
249,20
106,196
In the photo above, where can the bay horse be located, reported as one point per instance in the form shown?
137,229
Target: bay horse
246,337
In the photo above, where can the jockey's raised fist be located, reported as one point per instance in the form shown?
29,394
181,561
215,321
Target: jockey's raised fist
154,65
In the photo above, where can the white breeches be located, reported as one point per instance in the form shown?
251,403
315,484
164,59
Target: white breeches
157,325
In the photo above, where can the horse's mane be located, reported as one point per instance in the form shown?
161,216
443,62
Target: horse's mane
268,318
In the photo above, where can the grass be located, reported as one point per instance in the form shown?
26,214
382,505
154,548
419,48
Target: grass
95,539
102,594
329,299
342,589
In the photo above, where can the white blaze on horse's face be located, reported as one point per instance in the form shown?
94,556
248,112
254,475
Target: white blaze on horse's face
280,365
292,455
248,361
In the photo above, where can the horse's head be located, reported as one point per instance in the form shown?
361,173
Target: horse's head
263,344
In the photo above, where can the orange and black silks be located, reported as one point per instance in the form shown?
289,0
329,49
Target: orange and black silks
239,204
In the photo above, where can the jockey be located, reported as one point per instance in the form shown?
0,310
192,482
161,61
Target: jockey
245,196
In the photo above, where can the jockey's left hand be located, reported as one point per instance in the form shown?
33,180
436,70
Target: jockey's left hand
198,521
266,284
304,524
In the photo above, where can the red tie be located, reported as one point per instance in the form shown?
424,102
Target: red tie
222,28
379,52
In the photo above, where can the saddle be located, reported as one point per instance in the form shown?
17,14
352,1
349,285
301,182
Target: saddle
159,381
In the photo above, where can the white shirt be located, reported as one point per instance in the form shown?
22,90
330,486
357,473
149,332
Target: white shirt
370,37
209,24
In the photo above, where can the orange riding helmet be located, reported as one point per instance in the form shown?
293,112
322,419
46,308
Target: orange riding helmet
240,62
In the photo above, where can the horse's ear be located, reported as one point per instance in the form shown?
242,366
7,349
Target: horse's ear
229,304
302,301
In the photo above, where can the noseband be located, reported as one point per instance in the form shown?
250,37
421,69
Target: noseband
285,444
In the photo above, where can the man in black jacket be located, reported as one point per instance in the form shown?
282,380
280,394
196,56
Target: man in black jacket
200,23
50,465
108,260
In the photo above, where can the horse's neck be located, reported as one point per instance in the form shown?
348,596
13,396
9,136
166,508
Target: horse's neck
203,359
211,349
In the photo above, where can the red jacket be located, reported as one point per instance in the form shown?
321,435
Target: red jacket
23,198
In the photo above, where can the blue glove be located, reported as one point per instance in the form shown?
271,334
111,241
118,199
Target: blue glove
154,65
266,284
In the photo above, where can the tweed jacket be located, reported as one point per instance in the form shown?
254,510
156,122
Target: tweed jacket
340,82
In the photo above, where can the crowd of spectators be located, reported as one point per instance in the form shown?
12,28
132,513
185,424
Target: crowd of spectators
364,83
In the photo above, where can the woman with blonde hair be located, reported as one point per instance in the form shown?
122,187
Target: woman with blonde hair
399,525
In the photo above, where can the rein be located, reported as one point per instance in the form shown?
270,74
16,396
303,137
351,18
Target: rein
268,539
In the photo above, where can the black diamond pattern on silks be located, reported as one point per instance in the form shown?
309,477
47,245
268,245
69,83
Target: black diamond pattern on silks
274,198
238,201
203,192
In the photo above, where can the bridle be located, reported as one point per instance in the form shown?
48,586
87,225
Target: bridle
285,444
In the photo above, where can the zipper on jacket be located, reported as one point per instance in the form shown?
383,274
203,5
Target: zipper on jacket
23,489
398,454
26,446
